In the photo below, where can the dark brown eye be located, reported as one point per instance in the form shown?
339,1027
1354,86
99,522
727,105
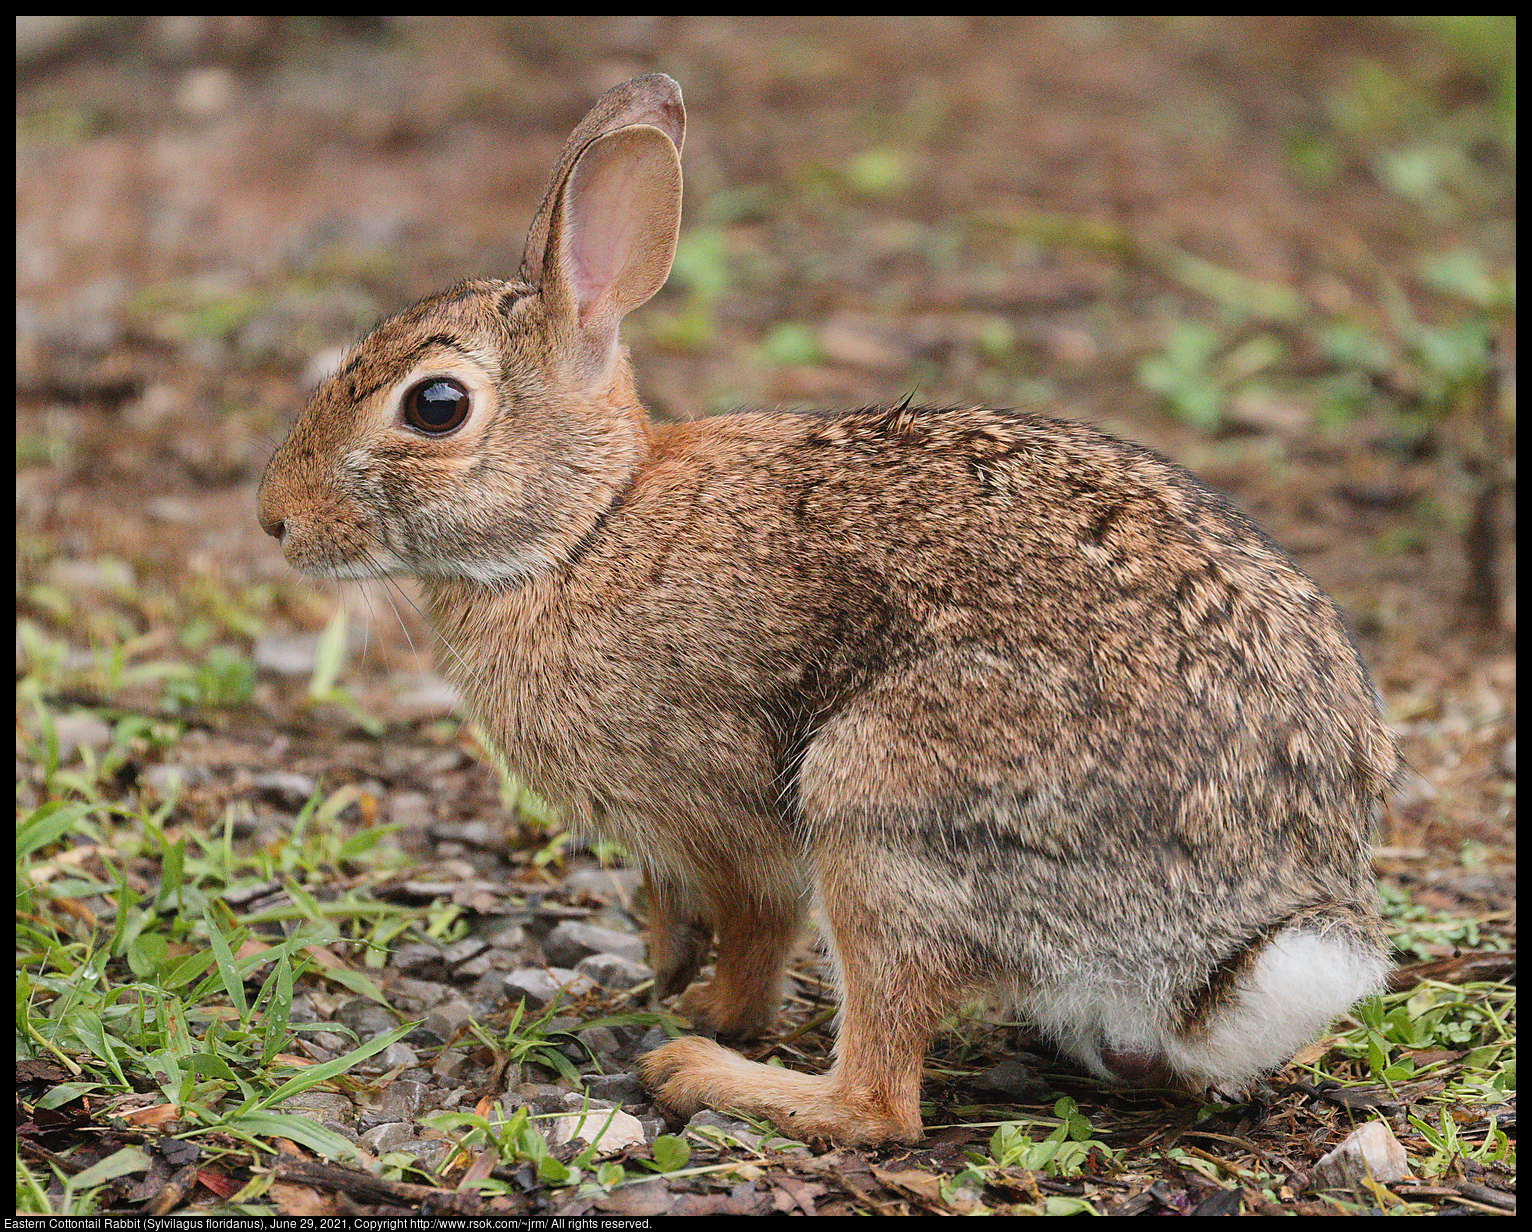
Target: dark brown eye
436,405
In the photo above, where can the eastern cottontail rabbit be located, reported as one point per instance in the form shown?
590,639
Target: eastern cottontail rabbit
1004,704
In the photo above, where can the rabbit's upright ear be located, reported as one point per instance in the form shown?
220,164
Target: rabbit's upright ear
611,239
652,99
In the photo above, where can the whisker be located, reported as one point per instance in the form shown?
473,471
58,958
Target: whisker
390,584
430,624
361,589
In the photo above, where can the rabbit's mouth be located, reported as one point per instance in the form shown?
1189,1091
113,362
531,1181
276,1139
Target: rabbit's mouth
347,548
507,568
329,560
364,556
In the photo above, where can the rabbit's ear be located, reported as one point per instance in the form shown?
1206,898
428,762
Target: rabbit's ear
653,99
612,237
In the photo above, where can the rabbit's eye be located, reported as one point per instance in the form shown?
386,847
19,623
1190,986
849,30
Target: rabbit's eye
436,406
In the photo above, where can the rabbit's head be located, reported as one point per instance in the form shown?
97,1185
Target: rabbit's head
481,433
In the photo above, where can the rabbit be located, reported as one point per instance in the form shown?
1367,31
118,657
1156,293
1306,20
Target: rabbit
1007,707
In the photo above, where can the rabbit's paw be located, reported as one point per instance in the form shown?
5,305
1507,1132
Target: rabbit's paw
684,1072
714,1008
692,1073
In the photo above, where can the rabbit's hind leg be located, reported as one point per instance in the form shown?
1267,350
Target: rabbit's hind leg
889,1012
679,937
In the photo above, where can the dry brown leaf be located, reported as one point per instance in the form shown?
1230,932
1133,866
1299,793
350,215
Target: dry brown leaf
293,1199
803,1193
77,909
918,1184
158,1114
1312,1054
480,1169
324,957
638,1201
216,1182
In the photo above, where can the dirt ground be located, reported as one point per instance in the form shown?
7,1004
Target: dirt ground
1022,211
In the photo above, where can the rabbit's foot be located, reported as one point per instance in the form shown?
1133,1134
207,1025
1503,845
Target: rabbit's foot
754,941
692,1073
716,1008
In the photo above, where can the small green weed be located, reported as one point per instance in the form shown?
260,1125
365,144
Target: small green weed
1066,1152
1426,933
1448,1145
1476,1020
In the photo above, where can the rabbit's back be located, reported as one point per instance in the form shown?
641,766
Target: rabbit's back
1086,601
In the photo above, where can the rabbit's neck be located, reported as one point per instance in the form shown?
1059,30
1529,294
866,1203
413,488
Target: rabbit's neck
613,443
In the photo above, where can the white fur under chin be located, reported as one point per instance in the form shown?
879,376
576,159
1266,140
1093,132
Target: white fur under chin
1301,981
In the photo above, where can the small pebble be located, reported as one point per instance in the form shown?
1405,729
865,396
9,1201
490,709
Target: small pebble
167,779
285,787
386,1137
450,1064
606,883
733,1127
1370,1149
321,1106
397,1055
420,958
366,1017
538,987
599,1040
80,730
607,1130
622,1088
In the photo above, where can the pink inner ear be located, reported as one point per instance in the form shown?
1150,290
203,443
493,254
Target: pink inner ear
613,198
602,221
621,206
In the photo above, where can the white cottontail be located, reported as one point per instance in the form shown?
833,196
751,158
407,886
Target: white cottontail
1002,703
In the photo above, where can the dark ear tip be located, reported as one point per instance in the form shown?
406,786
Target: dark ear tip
664,79
659,83
664,94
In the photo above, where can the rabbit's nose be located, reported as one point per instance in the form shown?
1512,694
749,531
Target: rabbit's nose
275,529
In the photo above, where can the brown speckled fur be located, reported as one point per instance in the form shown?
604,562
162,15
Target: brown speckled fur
997,698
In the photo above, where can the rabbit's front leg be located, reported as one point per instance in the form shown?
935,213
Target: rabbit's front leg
679,938
755,938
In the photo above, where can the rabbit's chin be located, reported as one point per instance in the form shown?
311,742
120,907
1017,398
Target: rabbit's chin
351,571
510,571
492,573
